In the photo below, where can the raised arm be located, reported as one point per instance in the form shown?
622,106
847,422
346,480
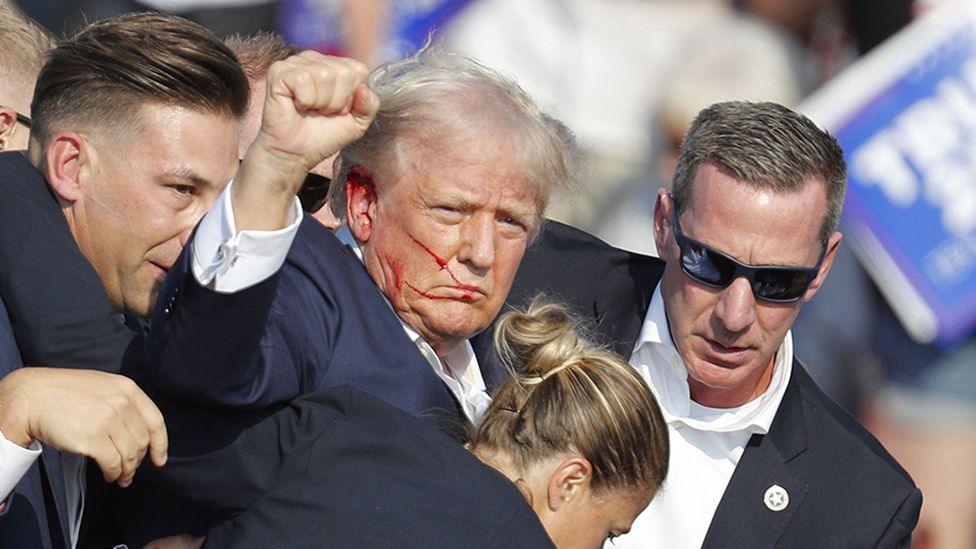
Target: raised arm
212,339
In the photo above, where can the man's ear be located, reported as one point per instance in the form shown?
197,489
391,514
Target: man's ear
662,223
832,244
67,163
361,202
569,480
8,125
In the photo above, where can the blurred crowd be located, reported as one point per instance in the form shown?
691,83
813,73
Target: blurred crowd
628,77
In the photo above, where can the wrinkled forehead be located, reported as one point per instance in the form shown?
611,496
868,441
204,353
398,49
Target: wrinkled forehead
756,224
476,165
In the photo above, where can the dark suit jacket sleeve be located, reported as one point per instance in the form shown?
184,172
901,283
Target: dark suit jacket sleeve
59,312
230,479
229,350
899,532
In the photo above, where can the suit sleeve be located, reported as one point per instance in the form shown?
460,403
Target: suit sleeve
899,531
59,312
231,479
219,349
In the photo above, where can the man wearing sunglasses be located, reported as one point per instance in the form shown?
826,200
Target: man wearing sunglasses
760,457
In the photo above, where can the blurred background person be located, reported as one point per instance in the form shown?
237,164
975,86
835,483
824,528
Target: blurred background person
23,43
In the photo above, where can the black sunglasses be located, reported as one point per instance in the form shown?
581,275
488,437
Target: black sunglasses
314,191
710,267
24,120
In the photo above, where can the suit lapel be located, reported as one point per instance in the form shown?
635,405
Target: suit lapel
745,516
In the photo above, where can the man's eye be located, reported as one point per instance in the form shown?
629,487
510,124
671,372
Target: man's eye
512,222
184,189
448,212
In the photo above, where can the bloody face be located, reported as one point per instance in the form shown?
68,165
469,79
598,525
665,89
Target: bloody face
444,239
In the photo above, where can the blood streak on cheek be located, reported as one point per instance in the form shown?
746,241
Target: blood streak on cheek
425,294
440,263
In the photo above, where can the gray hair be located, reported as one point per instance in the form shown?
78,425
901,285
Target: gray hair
439,101
767,146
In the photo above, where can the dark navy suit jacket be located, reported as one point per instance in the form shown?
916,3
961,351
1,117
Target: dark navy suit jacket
845,489
319,322
340,468
35,514
59,316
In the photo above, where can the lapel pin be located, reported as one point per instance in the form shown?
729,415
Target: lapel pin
776,498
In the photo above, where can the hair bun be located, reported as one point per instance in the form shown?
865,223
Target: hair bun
539,342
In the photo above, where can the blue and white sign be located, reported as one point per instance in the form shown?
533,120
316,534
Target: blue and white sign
906,118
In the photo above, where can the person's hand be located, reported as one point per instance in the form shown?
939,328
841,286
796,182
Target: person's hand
103,416
315,105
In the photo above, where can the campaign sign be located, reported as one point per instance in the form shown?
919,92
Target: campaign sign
905,116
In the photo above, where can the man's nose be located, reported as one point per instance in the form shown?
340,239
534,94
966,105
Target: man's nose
478,242
736,306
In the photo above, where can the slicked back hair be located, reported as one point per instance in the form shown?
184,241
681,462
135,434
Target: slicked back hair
767,146
112,67
436,102
23,43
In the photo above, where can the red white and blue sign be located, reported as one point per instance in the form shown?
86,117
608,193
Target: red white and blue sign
906,118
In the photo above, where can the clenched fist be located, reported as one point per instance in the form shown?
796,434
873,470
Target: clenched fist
103,416
315,106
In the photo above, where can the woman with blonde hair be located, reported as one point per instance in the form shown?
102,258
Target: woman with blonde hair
571,449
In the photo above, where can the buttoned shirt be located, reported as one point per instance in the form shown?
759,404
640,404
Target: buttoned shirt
706,443
229,261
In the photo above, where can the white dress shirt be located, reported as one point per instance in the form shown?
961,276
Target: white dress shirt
228,261
15,460
706,443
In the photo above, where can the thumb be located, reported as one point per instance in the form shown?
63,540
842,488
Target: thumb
365,104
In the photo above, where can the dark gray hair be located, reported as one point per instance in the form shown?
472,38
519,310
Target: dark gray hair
767,146
438,101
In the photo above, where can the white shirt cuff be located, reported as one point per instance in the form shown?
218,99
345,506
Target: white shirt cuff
15,460
228,261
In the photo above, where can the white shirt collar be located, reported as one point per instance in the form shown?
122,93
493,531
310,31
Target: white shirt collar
658,361
458,369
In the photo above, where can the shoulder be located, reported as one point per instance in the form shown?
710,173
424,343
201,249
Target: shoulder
851,475
373,452
566,261
829,420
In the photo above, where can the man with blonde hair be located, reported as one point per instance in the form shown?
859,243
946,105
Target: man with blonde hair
23,43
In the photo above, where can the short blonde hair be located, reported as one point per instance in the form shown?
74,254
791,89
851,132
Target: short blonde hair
23,43
569,395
